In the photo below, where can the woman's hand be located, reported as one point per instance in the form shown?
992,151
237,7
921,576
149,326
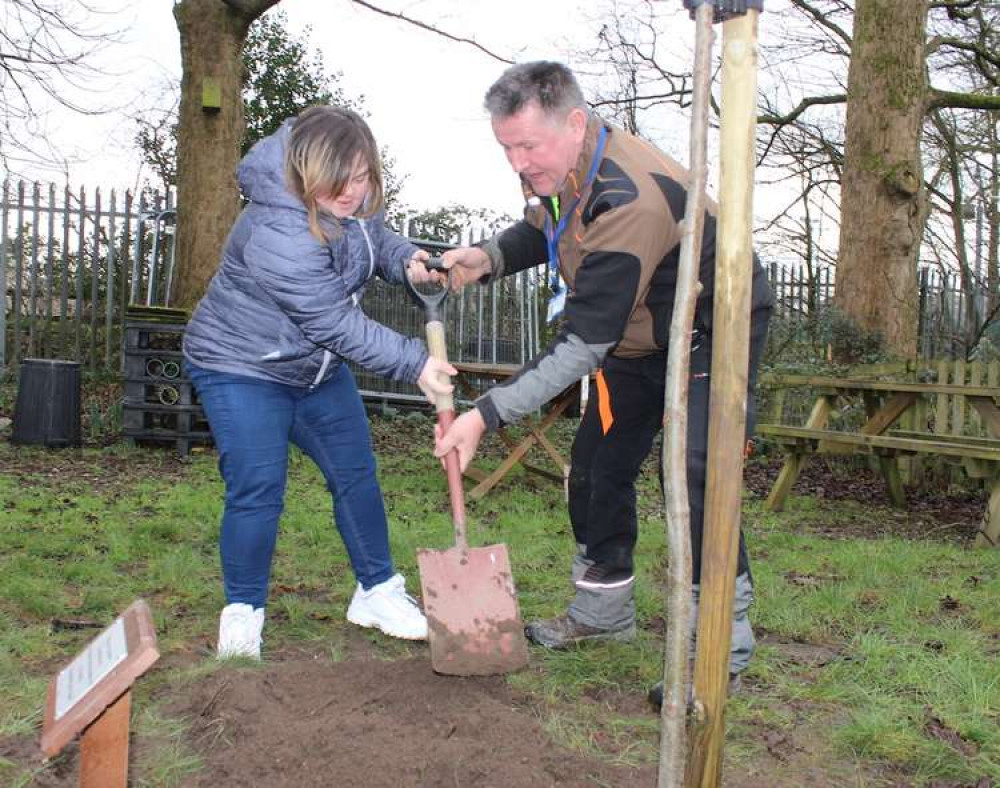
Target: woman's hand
464,435
466,264
434,380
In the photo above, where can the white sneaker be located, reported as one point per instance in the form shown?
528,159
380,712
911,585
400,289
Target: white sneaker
389,608
240,626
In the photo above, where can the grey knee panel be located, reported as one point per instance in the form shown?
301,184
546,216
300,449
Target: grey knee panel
743,643
605,608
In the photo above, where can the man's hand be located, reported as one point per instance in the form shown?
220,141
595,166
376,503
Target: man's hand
418,273
464,434
433,380
466,264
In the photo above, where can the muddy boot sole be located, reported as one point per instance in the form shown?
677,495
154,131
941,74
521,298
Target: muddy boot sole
542,636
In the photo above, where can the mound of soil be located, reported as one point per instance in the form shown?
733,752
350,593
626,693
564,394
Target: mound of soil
370,723
362,722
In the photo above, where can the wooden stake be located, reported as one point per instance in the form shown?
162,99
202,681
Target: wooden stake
727,413
673,714
104,747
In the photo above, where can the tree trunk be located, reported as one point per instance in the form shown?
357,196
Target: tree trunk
209,134
993,222
883,206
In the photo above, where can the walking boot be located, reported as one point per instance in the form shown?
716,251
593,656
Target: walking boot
655,694
564,631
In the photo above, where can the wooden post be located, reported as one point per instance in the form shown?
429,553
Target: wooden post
104,747
677,509
893,481
727,414
989,528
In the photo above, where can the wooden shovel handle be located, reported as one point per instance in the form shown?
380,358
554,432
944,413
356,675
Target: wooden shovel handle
445,405
438,348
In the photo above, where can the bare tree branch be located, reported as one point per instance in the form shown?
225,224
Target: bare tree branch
809,101
976,49
677,95
938,99
823,20
957,9
46,53
432,29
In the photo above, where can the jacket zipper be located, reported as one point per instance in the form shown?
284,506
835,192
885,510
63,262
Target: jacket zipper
327,355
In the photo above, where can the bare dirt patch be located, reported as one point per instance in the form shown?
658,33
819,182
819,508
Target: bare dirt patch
103,472
941,512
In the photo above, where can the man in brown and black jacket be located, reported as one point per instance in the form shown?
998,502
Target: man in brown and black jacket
604,208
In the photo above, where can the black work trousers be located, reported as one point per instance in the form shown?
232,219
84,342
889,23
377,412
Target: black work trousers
623,416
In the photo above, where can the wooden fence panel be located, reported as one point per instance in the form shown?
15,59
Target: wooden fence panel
957,400
975,379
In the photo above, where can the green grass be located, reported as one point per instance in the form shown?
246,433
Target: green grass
908,631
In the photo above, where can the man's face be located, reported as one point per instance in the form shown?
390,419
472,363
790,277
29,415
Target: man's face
541,148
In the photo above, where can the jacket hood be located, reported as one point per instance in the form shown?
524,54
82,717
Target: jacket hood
261,173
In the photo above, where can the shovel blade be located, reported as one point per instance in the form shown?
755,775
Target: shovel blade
474,625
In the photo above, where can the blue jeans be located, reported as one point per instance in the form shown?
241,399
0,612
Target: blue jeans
252,423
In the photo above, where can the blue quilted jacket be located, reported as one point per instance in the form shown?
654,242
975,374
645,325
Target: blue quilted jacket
285,307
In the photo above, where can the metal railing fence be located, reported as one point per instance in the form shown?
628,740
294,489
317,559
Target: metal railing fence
73,260
951,322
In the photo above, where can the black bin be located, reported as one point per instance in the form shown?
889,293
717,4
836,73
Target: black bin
47,412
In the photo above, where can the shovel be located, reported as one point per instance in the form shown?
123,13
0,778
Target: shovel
474,625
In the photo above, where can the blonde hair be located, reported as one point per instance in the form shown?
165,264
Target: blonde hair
323,148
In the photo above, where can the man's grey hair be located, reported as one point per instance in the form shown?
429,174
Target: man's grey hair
551,85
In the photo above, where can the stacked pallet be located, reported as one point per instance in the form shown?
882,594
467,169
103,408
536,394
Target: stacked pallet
160,404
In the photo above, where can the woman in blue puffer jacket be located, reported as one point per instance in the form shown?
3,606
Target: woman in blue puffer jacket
265,350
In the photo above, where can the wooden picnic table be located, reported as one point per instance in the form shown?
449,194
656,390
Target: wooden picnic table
471,373
886,403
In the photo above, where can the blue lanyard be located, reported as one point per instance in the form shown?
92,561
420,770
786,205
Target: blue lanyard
553,235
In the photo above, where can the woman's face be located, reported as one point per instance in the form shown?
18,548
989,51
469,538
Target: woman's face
353,194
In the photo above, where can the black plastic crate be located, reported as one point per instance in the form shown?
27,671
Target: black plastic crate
167,392
165,419
183,427
158,365
153,336
182,442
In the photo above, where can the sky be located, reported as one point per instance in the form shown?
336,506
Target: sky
423,92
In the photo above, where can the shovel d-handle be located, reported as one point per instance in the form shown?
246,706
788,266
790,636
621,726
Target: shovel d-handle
432,303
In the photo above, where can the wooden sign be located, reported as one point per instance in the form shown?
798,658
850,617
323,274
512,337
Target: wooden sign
92,695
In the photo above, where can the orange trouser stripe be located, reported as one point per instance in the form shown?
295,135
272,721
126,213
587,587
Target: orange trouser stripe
604,403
